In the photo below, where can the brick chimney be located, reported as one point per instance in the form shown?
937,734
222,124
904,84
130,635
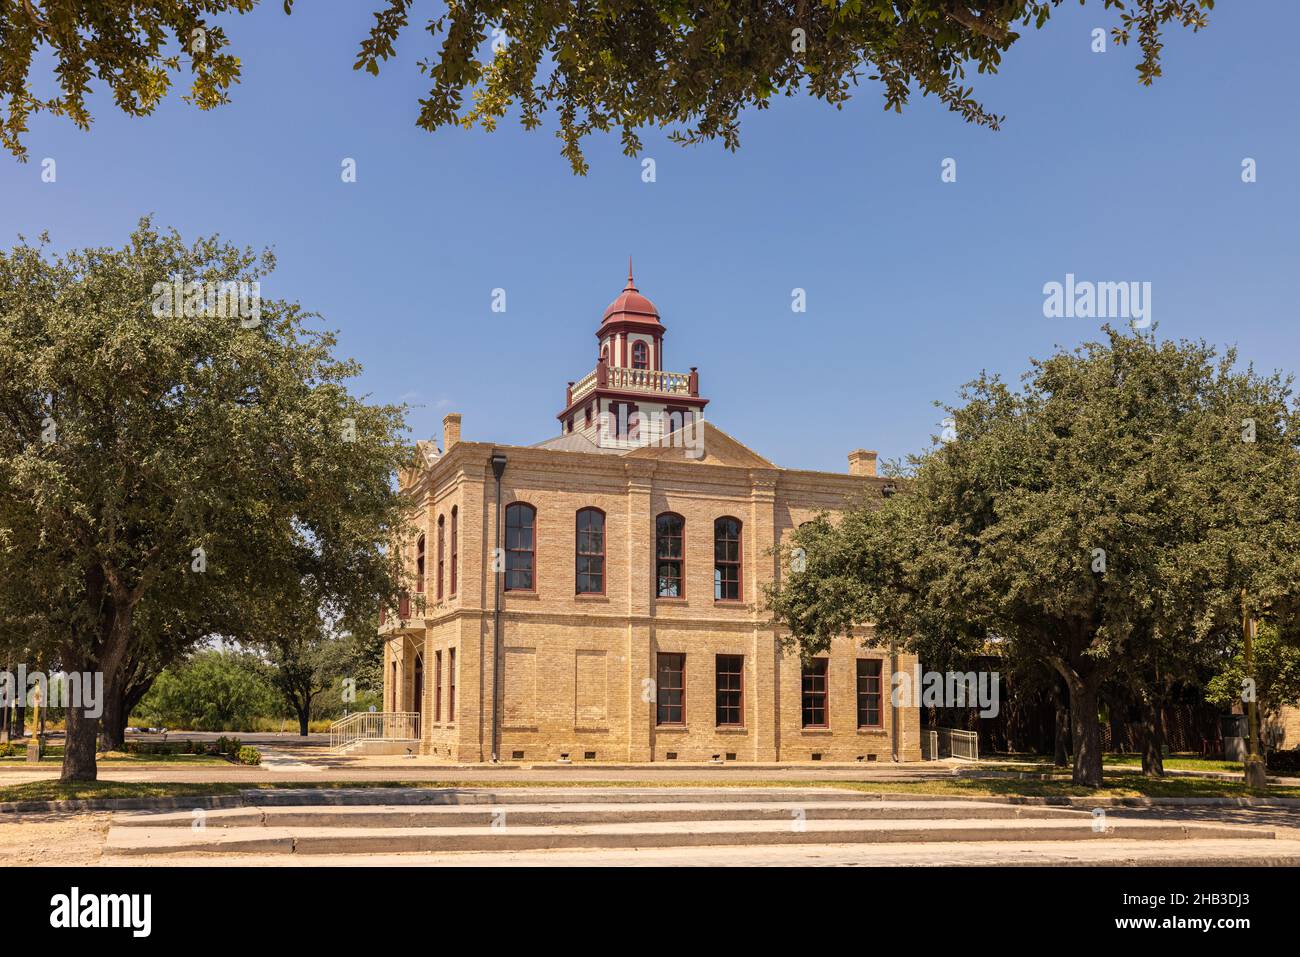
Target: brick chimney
862,462
451,431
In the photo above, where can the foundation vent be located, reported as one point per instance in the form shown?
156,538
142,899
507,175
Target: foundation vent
516,755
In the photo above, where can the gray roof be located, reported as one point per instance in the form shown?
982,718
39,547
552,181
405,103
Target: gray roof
576,442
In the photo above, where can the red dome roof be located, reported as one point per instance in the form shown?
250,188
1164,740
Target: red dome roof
631,305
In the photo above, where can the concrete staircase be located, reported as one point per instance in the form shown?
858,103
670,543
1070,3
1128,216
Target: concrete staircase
381,821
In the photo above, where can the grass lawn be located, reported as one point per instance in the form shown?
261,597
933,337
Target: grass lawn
1117,785
55,754
1173,762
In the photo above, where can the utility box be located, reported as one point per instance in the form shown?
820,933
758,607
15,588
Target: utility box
1235,730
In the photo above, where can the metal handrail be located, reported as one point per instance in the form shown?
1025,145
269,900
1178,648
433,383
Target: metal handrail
375,726
959,744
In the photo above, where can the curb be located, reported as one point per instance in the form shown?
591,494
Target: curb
313,796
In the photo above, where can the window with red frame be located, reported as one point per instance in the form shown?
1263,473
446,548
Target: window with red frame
521,538
814,693
589,574
451,689
869,692
726,559
670,689
730,679
640,355
670,530
437,686
455,550
442,534
419,565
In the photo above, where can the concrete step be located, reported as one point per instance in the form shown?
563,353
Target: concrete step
1195,853
541,815
692,833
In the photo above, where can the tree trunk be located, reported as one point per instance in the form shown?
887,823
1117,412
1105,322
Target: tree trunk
1086,730
1061,758
20,716
113,721
79,748
1153,737
303,715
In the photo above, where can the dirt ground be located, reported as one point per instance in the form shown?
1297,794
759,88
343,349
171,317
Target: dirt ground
71,839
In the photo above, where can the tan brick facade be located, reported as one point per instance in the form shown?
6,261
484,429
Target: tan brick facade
579,670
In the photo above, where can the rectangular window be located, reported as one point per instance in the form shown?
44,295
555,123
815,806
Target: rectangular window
730,671
454,549
451,686
670,689
814,693
869,692
441,562
726,559
669,555
589,574
521,522
437,686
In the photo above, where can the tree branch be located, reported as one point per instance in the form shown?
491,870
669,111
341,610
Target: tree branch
976,23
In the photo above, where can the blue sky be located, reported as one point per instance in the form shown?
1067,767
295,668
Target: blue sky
913,285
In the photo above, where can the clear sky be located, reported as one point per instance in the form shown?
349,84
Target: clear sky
913,285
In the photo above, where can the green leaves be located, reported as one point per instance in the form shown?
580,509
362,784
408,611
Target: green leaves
134,438
1103,521
691,66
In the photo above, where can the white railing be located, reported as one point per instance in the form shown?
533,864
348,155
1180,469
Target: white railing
584,385
375,726
649,380
958,744
930,745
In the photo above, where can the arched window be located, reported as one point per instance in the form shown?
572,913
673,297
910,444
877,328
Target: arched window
640,355
589,547
419,565
670,558
455,550
726,559
604,352
441,536
521,547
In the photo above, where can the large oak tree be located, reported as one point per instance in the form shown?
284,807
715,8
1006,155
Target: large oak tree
1104,520
692,66
167,473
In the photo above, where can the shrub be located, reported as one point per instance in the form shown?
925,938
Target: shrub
250,756
1286,763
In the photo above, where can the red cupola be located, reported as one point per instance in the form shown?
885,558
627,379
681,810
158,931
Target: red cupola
629,376
631,306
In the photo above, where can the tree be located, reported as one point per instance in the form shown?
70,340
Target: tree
165,464
213,690
624,64
1097,521
1276,681
306,661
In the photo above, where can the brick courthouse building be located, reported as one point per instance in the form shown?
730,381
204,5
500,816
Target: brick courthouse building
624,602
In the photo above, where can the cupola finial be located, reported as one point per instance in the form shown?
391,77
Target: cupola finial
631,286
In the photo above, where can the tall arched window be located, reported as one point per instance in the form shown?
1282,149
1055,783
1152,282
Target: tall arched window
589,547
726,559
640,355
521,547
670,557
419,565
441,542
455,549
